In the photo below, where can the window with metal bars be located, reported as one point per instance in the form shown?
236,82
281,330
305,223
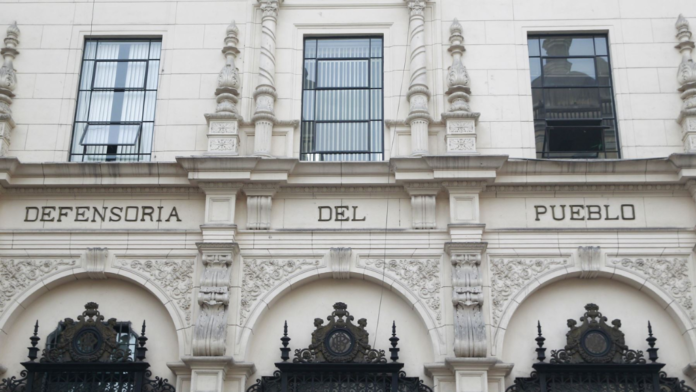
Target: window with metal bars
115,112
574,111
342,99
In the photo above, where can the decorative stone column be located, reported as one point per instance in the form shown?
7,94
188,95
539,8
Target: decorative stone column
210,331
265,94
223,125
467,298
418,93
460,120
8,82
259,205
686,76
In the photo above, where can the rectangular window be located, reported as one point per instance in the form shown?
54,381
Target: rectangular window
572,94
342,100
116,101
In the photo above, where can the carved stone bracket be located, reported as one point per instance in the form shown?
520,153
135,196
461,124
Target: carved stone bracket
423,203
460,120
8,82
418,93
589,261
210,331
671,274
95,261
223,125
17,275
468,298
686,76
339,262
259,205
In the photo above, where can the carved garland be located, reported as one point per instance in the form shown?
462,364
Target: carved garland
510,275
421,276
262,275
174,276
670,274
17,275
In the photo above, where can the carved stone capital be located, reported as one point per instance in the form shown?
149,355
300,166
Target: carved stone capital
95,260
589,261
339,262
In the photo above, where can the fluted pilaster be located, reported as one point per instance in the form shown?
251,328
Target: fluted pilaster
8,82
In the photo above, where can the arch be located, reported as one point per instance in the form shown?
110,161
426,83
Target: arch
640,283
44,285
266,301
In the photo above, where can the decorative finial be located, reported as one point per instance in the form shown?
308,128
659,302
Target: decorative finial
232,29
456,27
652,351
140,351
285,350
13,30
33,350
394,341
681,22
541,351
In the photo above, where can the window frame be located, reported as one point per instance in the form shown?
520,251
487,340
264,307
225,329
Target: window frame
139,156
544,153
318,156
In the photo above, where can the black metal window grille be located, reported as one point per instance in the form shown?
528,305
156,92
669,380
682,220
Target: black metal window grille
342,99
573,99
115,114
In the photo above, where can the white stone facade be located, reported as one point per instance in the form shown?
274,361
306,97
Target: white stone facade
459,235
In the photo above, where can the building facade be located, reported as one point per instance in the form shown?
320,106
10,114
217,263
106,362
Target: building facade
466,171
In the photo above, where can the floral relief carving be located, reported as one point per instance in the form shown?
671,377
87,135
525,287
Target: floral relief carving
262,275
510,275
670,274
174,276
461,144
421,276
16,275
223,127
460,127
223,145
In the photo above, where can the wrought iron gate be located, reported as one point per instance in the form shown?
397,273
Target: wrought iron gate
88,355
596,358
339,360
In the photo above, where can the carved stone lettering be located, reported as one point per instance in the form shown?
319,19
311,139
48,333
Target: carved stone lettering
340,214
578,212
101,214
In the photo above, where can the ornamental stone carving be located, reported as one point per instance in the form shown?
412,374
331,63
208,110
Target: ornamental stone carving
418,92
420,276
8,82
95,260
423,204
686,76
260,276
467,298
460,120
17,275
510,275
175,277
265,94
589,261
668,273
223,137
339,262
210,331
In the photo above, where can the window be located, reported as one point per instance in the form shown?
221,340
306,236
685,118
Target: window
116,101
574,115
342,100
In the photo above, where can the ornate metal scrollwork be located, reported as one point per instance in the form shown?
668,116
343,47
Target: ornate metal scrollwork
340,340
14,384
596,358
594,341
87,340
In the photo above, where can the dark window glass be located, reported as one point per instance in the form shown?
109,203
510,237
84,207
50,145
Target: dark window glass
572,96
115,114
342,100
